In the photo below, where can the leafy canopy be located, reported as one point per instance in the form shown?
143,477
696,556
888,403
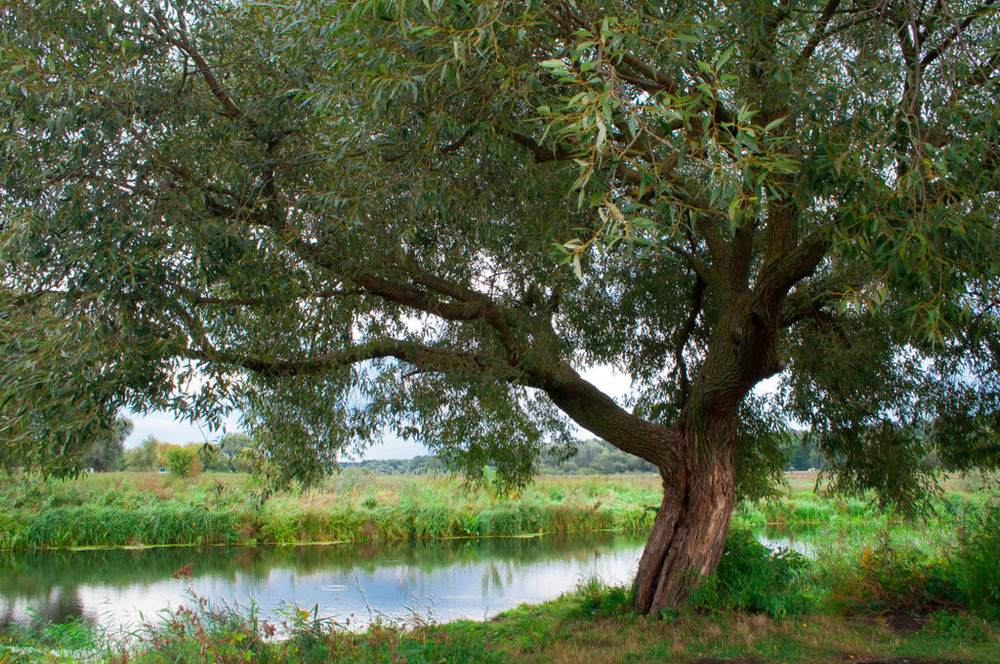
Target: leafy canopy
421,216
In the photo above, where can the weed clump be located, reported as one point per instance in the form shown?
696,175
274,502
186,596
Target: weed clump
888,578
754,579
597,599
207,634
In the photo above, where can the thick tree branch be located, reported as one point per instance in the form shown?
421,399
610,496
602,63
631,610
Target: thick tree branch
939,50
595,411
541,153
700,268
820,31
459,143
778,276
809,299
657,81
229,108
400,293
425,358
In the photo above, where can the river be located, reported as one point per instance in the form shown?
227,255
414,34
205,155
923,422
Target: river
439,580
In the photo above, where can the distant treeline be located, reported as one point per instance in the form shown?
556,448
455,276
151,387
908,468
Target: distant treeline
596,457
592,457
803,453
231,454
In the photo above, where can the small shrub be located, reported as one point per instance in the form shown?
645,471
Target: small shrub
888,578
598,599
180,461
753,578
961,626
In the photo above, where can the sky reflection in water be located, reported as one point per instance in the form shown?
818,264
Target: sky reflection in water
438,580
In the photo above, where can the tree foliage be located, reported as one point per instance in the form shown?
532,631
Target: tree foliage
52,409
180,460
145,457
107,452
428,216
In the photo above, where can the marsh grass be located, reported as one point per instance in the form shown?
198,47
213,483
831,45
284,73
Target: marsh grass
45,642
147,509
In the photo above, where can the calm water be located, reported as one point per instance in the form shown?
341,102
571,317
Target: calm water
798,539
436,580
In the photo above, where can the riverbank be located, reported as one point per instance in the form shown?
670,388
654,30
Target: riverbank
591,624
148,509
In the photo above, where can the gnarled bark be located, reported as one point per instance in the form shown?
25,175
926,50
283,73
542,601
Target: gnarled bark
689,531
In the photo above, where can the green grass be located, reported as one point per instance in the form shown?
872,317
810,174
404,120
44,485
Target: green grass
147,509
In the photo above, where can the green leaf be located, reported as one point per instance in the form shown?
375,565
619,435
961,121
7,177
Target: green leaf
724,57
774,124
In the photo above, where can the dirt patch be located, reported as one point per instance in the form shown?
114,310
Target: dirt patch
900,623
904,624
902,660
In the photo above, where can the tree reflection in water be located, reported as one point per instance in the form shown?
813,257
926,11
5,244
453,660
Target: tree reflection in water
54,605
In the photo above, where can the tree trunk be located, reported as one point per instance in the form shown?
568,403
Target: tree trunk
695,458
690,529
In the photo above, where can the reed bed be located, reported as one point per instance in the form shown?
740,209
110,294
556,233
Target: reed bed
147,509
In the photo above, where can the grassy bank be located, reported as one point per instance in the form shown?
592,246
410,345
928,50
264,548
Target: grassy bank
590,624
146,509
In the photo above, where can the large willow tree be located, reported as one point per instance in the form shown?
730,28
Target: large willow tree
428,216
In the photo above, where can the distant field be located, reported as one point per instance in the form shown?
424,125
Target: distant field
805,480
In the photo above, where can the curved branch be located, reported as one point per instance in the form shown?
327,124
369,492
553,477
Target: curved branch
938,51
684,334
595,411
541,153
425,358
819,33
230,110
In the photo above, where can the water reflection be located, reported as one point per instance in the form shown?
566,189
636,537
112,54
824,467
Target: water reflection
441,580
798,539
